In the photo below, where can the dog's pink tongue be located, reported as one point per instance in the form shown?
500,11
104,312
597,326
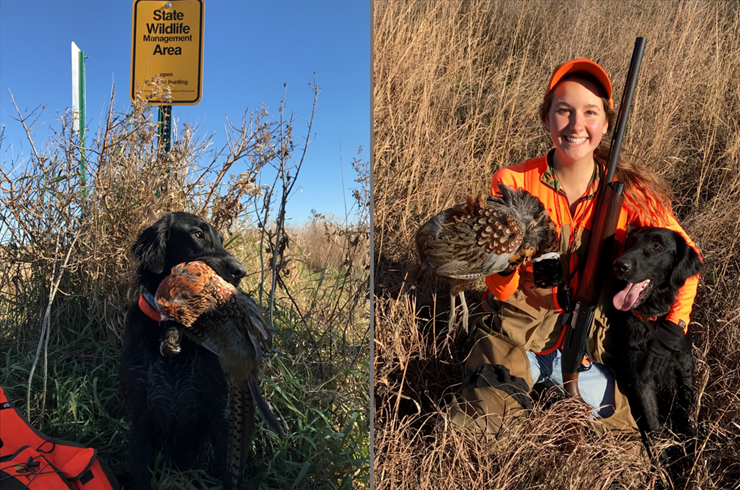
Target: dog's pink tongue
626,298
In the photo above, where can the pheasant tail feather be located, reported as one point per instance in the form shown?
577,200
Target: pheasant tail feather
241,430
264,408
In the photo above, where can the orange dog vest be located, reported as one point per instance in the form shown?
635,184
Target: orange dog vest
31,460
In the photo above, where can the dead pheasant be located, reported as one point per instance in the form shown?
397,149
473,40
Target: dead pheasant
484,236
228,322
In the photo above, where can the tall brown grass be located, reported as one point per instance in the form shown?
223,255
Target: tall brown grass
457,91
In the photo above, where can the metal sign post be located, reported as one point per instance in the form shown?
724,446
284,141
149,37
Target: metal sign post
167,57
165,128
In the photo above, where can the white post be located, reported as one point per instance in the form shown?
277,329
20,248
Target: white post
78,106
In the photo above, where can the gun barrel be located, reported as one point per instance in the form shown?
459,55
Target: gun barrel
624,108
600,243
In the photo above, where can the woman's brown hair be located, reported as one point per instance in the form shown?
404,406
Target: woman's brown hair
645,194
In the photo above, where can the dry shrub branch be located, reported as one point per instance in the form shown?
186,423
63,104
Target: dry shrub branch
131,181
457,91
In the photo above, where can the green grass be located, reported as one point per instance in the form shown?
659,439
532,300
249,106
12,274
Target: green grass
317,383
83,403
327,443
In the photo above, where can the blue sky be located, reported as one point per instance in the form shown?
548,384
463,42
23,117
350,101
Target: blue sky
251,48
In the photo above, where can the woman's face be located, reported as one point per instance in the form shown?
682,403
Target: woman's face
576,120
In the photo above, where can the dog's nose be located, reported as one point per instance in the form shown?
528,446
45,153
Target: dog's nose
622,266
237,270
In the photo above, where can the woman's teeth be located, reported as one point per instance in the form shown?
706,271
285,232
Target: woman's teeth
574,141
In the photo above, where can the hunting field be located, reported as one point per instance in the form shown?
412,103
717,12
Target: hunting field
457,89
68,277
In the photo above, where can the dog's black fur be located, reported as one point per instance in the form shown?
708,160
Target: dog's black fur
178,404
664,257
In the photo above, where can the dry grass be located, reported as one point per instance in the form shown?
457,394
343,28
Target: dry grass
457,91
324,243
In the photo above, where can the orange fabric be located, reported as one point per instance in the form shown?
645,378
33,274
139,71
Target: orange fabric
532,176
584,65
78,464
149,309
31,470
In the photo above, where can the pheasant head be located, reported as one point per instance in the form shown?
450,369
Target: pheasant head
191,289
539,233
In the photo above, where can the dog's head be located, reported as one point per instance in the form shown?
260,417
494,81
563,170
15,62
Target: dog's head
655,264
182,237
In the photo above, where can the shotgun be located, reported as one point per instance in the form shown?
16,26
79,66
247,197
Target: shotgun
591,278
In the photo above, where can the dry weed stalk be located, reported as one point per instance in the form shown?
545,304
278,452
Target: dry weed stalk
336,258
56,277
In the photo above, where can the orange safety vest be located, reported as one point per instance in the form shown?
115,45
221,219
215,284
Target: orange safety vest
538,178
31,460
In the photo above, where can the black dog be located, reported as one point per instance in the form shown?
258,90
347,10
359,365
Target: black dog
655,264
177,404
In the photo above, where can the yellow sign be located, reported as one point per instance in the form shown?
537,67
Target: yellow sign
167,51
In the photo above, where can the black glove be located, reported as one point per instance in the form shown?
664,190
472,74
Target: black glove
547,270
661,346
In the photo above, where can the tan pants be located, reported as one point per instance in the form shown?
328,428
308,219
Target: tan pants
498,380
497,385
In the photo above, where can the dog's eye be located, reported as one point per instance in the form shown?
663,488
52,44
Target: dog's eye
657,246
198,234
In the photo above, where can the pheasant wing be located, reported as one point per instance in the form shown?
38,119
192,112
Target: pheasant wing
478,239
252,322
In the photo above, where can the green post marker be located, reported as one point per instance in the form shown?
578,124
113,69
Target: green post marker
78,106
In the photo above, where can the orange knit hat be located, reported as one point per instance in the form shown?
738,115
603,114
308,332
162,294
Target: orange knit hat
583,65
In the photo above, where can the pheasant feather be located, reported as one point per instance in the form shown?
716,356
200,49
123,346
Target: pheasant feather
484,236
228,321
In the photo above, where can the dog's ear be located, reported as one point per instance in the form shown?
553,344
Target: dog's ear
687,263
151,245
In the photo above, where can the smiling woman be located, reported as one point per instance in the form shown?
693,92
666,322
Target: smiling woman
577,117
530,315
